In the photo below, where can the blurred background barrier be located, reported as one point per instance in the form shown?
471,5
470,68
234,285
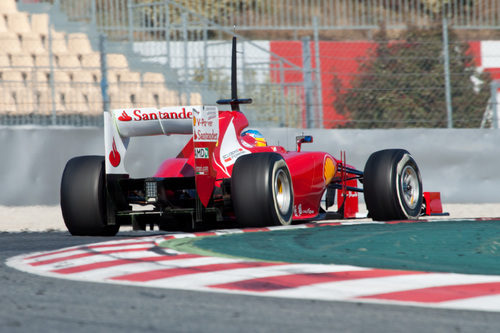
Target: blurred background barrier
306,64
461,163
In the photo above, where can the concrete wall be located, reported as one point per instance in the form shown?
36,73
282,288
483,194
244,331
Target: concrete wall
463,164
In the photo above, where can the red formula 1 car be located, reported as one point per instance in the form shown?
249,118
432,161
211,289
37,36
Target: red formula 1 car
228,173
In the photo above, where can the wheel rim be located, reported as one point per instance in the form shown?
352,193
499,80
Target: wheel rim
410,186
282,192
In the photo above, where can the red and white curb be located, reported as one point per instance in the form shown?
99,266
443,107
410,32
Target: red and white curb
141,262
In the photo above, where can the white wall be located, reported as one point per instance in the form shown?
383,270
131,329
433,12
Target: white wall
463,164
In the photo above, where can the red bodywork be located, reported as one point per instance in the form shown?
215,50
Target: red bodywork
309,170
433,205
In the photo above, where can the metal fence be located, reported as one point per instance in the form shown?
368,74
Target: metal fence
113,15
58,78
306,84
41,83
410,84
177,54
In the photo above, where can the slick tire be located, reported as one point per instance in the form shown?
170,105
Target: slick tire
392,186
83,197
261,190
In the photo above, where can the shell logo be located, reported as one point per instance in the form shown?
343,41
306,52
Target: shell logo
329,169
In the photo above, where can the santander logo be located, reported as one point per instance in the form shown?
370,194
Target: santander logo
124,117
140,115
114,156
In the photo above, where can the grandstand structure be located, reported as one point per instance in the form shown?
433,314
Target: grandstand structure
54,77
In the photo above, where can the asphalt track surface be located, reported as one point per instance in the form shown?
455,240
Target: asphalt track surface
31,303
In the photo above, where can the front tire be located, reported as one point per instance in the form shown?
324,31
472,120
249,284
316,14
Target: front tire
261,190
83,197
392,186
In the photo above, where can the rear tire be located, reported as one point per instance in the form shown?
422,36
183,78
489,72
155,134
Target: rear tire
261,190
392,186
83,197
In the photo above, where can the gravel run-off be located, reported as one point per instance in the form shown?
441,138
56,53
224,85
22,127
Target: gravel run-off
49,218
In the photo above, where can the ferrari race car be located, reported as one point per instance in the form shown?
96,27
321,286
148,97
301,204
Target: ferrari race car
227,173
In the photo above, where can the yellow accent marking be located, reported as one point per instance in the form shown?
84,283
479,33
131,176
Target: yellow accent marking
260,142
329,170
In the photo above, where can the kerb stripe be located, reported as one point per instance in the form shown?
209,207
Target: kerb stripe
441,294
112,263
86,254
83,247
298,280
167,273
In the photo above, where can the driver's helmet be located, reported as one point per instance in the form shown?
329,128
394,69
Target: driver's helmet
260,141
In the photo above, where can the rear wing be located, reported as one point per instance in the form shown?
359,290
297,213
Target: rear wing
122,124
